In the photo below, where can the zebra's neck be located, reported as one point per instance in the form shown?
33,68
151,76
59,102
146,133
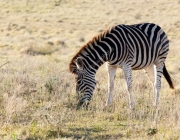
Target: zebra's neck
93,58
95,53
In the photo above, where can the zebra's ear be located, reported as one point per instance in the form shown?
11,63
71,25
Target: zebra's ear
79,63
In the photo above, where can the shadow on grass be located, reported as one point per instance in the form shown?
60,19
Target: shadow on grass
91,134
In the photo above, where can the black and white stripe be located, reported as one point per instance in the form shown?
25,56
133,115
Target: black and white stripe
130,47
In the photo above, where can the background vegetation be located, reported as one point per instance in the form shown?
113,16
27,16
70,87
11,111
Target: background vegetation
37,94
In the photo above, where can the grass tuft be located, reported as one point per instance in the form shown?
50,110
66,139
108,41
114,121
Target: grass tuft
152,131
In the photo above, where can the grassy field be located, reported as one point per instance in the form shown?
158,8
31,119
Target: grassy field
37,93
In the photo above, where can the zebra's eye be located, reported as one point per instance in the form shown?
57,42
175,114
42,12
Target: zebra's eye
78,82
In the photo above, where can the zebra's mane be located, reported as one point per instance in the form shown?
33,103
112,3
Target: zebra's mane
72,65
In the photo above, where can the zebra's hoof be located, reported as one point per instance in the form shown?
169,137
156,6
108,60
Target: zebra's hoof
132,106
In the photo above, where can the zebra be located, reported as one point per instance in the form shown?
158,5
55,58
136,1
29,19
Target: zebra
129,47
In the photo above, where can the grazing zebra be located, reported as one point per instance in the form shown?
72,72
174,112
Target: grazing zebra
130,47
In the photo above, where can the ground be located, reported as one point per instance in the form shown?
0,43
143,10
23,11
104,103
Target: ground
37,93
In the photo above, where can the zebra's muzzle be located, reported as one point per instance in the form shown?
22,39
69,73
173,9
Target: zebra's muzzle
83,105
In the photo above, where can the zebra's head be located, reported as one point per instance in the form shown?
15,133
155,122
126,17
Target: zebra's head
85,83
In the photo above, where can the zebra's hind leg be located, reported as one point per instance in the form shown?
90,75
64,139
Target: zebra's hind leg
111,76
152,74
128,76
159,72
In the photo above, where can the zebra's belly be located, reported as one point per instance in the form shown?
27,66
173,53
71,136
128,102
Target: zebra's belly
134,66
138,64
139,68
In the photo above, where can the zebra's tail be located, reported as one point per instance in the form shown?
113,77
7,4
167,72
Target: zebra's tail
168,78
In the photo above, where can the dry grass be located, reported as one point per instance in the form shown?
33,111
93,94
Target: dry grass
37,94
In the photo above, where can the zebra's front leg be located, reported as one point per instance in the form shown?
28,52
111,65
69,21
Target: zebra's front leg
111,76
128,76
